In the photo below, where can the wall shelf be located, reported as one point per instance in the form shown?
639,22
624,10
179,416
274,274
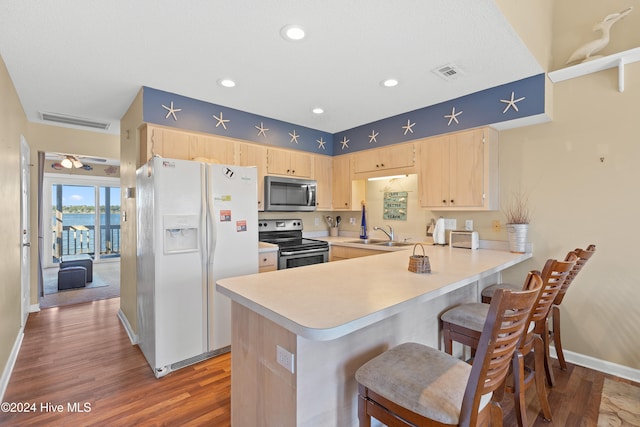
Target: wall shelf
616,60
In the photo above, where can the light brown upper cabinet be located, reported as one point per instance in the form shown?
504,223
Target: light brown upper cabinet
212,149
460,171
255,155
173,144
347,193
390,160
322,173
289,163
178,144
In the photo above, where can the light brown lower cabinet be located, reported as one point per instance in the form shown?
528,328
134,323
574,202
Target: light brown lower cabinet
346,252
267,261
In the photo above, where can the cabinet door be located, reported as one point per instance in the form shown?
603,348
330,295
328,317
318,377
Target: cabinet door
323,171
288,163
169,143
434,172
467,169
365,161
341,185
214,149
278,162
300,164
393,157
255,155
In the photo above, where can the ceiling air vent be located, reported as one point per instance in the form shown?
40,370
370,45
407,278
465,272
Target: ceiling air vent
448,72
77,121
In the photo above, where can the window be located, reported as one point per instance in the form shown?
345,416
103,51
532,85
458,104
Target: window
83,215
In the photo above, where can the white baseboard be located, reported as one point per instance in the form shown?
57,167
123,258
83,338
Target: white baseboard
8,369
127,327
599,365
34,308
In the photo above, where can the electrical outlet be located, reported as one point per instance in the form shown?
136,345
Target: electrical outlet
496,225
450,224
285,359
316,221
352,221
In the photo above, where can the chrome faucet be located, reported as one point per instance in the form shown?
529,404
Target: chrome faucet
389,234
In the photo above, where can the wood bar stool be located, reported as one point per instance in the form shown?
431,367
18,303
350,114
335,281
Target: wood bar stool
416,385
583,256
461,324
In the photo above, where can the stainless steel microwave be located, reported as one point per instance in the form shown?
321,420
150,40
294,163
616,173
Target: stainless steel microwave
289,194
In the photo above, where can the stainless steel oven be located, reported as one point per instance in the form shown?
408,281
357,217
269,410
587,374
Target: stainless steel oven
293,249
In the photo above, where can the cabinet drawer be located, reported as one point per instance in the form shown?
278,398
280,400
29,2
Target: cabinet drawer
267,261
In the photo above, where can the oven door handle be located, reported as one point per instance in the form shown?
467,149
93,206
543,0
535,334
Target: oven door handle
306,251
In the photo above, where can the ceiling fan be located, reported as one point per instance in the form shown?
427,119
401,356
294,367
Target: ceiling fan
70,161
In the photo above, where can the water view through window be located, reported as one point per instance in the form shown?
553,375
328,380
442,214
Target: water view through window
85,219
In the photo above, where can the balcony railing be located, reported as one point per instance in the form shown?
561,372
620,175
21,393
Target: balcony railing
80,239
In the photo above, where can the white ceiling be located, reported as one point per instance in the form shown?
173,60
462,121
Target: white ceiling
89,58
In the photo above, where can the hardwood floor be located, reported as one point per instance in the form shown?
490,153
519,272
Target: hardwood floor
80,354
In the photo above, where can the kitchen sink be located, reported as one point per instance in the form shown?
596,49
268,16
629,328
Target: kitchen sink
379,242
388,243
368,241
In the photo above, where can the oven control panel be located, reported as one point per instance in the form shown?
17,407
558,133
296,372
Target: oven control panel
279,225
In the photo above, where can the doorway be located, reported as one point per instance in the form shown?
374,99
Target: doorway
81,217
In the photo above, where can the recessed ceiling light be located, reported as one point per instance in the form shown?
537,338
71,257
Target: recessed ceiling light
226,83
317,110
389,83
292,32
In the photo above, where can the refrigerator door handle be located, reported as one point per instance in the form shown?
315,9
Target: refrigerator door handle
211,223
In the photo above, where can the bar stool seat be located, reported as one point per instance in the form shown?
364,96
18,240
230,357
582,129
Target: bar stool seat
460,324
413,384
584,255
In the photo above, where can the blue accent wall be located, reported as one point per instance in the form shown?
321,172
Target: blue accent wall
198,116
478,109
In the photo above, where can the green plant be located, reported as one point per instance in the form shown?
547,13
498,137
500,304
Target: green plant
517,209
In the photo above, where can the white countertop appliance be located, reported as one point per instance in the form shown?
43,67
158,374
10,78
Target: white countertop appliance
464,239
197,223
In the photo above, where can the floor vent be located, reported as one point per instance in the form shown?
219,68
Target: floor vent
448,72
77,121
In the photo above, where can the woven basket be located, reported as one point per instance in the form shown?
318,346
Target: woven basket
419,263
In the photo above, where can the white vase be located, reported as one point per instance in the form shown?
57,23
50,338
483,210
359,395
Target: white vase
517,237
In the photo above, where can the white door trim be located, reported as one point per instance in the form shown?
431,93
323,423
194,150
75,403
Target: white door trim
25,227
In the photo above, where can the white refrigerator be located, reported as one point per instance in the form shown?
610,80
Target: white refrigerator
196,223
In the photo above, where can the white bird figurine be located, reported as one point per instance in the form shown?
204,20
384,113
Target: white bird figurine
587,51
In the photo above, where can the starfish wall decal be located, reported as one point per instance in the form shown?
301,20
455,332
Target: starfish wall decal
408,127
344,143
372,137
171,111
453,116
262,130
321,143
511,102
294,137
221,121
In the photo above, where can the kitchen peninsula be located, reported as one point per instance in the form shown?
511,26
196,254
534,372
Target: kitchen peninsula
334,317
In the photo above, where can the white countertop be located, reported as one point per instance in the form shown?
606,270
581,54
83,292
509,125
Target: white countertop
330,300
267,247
